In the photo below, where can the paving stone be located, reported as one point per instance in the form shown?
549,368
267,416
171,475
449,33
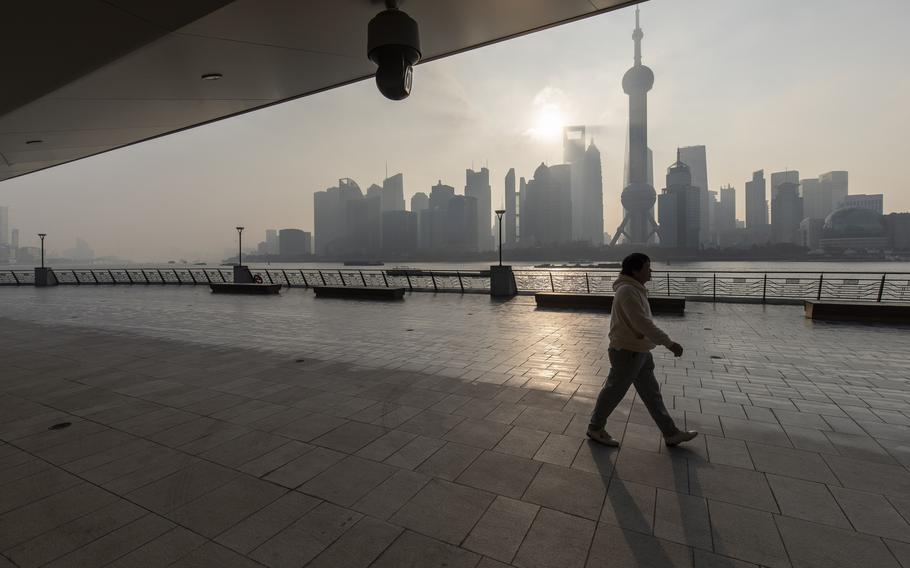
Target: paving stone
501,530
350,437
554,421
731,485
558,449
629,505
500,473
746,534
754,431
307,537
262,525
415,452
792,463
243,449
731,452
595,458
569,490
383,501
818,546
614,546
310,427
386,445
807,500
412,550
359,546
432,424
219,510
115,544
555,539
705,559
211,554
872,514
298,471
163,551
443,510
347,481
683,519
478,433
522,442
449,461
182,487
275,459
74,534
859,474
652,469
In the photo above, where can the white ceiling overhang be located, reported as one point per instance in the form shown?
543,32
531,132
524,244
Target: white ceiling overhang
87,76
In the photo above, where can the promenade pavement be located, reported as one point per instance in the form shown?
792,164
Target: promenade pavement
445,430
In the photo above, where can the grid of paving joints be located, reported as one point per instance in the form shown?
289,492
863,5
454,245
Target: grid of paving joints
206,453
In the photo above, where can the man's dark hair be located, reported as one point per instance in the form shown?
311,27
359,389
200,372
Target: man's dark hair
634,262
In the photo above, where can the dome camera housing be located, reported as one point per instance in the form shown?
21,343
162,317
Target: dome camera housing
393,44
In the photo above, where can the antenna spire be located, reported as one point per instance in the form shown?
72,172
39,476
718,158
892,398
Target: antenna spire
637,35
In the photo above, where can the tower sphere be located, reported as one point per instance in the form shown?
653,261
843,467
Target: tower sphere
638,197
638,79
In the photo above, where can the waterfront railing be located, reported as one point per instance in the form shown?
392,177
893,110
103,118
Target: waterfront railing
754,286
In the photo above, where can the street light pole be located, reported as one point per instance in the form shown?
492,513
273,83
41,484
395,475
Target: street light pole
499,214
239,245
42,235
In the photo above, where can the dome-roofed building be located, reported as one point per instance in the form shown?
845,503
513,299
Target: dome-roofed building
853,228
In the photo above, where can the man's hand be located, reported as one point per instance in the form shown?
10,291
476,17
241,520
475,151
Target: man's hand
677,349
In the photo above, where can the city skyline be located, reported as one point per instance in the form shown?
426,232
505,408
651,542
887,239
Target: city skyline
504,106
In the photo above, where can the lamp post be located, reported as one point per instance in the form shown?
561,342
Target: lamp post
41,236
499,214
239,245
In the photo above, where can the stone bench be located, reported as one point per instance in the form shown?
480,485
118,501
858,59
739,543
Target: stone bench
235,288
835,310
659,304
359,292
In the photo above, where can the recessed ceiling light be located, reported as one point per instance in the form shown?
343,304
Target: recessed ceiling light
34,141
212,76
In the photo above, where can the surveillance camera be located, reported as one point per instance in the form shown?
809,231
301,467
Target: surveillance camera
393,44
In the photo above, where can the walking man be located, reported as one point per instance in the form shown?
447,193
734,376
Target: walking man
633,335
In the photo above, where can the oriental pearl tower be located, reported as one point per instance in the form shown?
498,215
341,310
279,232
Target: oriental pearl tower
638,197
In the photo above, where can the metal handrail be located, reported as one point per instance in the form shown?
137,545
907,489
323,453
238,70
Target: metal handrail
708,284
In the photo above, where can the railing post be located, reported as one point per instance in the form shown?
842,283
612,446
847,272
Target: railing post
192,276
160,276
433,278
587,283
362,279
552,287
821,279
668,283
714,292
764,288
321,275
408,276
128,276
340,275
207,277
881,287
384,279
111,274
95,278
302,275
458,273
16,278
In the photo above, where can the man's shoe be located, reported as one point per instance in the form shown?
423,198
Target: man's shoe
602,437
680,437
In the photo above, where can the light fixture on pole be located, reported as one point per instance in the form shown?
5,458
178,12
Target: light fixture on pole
239,245
42,235
499,214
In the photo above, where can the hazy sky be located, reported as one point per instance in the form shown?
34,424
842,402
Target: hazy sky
814,85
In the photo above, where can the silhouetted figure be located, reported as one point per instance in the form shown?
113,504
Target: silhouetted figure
633,335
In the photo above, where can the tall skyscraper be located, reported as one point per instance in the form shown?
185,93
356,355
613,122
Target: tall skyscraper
522,192
477,185
393,193
330,217
638,196
586,185
4,225
546,215
756,201
778,178
726,210
835,183
679,208
696,158
573,153
419,202
510,204
814,202
14,239
292,243
786,214
272,245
